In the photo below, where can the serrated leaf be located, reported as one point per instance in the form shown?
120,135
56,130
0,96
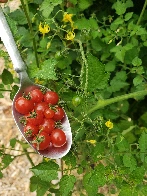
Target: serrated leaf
128,16
6,160
84,23
129,161
97,77
1,174
18,16
46,171
120,6
47,72
48,5
94,179
70,159
7,77
38,185
66,184
122,144
137,80
13,91
137,61
13,142
84,4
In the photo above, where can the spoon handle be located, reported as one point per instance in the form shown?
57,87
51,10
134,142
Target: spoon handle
8,40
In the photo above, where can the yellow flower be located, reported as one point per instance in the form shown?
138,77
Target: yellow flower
70,35
67,17
46,159
44,29
91,141
109,124
37,81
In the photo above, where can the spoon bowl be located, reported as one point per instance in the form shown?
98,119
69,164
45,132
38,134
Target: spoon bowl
26,85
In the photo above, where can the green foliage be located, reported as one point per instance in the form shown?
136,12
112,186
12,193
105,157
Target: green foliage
98,54
66,184
46,171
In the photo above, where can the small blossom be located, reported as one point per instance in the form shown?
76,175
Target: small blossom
109,124
70,35
46,159
91,141
44,29
37,81
67,17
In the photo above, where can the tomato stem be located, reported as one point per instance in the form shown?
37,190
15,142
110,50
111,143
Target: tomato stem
103,103
142,12
26,11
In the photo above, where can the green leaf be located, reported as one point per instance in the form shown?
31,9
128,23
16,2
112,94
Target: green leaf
97,151
13,142
97,77
137,80
97,44
88,24
129,161
128,16
73,2
66,184
84,4
7,77
110,66
94,179
47,71
143,145
138,175
14,91
121,6
12,25
70,159
119,52
137,61
122,144
7,159
127,191
46,171
48,5
114,25
18,16
38,185
1,174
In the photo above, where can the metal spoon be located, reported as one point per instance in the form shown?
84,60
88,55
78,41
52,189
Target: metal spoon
26,85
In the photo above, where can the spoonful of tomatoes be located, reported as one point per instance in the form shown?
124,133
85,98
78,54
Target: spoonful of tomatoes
36,110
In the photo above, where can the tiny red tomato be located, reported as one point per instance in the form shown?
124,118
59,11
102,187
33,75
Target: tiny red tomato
41,141
47,125
58,138
59,114
35,117
51,97
36,95
49,113
41,107
30,130
24,106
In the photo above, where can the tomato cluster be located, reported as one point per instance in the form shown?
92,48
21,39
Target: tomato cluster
42,118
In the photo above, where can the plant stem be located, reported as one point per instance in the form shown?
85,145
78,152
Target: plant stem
103,103
29,158
142,12
82,69
31,30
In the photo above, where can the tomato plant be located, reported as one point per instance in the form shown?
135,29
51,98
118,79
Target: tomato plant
91,54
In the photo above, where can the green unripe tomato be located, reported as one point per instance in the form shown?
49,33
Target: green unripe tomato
76,100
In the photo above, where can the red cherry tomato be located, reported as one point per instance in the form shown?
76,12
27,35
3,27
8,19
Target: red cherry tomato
35,117
59,114
41,141
24,106
51,97
49,113
36,95
58,138
41,107
30,130
47,125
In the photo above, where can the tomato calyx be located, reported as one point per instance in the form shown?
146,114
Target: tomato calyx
43,89
28,96
23,120
38,140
